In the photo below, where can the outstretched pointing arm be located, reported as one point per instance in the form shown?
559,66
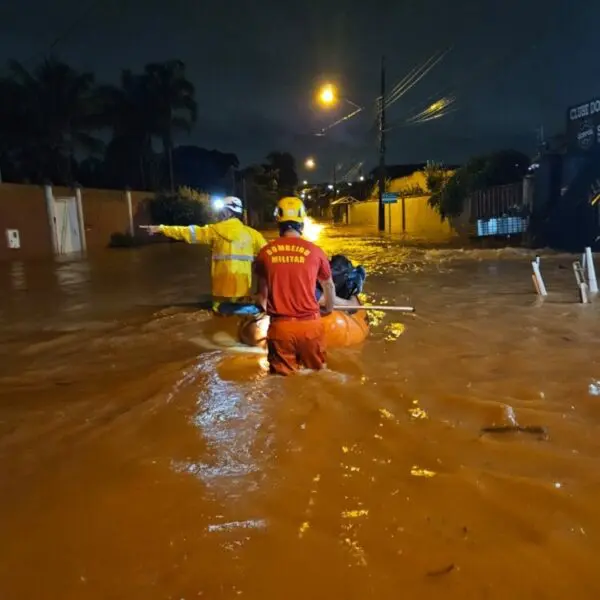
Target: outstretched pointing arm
191,234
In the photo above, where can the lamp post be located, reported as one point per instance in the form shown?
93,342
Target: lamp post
328,96
310,164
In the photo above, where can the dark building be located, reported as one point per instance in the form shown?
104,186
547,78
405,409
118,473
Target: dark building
567,184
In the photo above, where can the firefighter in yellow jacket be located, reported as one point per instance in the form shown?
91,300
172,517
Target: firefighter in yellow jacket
234,246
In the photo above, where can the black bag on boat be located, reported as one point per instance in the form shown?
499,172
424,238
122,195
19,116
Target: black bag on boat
348,279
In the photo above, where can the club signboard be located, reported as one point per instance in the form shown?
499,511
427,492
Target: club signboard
583,126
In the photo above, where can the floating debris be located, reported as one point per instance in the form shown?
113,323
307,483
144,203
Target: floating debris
375,317
418,472
541,432
394,331
353,514
303,528
416,412
444,571
249,524
350,468
357,551
386,414
509,413
309,508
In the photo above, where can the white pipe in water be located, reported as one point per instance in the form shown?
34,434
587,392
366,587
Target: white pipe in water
576,271
582,287
591,271
382,308
538,277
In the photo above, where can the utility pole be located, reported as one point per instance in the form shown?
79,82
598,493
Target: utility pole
334,181
381,220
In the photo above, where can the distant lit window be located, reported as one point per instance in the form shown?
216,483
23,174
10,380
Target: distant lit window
501,226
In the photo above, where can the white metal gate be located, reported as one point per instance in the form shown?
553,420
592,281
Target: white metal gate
67,226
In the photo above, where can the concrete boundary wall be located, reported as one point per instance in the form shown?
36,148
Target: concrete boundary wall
51,221
411,216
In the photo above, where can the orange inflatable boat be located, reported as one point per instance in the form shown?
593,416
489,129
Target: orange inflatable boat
342,329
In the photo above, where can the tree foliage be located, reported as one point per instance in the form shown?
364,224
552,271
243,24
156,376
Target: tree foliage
170,96
283,165
53,114
265,183
209,170
53,117
47,115
499,168
261,192
436,176
181,208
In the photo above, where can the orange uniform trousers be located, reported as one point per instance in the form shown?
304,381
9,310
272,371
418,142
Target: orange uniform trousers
293,344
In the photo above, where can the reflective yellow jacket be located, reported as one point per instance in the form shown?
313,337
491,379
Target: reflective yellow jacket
234,246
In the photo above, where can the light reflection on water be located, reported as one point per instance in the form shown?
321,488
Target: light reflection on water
137,467
228,417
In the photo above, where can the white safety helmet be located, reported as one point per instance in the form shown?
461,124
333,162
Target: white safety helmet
233,204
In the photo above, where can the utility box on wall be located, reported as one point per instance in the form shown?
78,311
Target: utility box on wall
13,239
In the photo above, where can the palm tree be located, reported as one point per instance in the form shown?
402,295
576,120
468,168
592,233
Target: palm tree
127,112
171,103
284,165
261,190
11,124
53,111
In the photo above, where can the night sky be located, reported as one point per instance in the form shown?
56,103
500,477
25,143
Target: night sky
513,66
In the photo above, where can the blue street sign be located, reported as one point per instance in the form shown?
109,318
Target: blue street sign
390,198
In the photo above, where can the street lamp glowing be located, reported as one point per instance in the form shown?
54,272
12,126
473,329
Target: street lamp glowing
361,178
310,163
328,95
305,182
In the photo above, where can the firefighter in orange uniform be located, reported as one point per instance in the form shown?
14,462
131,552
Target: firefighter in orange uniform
288,270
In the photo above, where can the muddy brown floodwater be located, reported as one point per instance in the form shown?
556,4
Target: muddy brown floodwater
134,464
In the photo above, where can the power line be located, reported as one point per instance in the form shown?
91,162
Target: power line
491,65
402,89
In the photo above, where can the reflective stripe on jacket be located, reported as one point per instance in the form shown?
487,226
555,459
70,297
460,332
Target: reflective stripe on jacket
234,246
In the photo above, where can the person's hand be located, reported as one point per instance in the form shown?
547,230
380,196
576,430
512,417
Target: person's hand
151,229
325,312
261,301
